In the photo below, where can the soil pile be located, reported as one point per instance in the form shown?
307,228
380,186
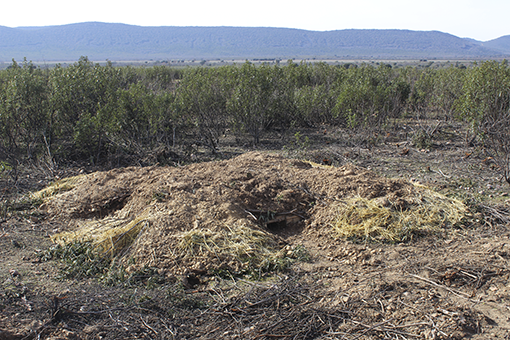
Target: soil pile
228,215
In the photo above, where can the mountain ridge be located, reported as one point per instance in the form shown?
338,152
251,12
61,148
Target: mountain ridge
115,41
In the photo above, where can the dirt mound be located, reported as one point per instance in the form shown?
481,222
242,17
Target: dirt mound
229,214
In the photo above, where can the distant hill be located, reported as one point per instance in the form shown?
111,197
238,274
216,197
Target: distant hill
501,44
101,41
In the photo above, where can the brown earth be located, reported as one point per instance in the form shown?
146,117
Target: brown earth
216,196
448,285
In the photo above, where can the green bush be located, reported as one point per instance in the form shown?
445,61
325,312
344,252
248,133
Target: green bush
95,113
485,103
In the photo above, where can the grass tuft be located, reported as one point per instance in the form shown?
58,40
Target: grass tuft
56,188
80,260
109,236
237,250
368,220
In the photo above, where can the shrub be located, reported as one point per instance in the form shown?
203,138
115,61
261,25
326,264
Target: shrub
485,103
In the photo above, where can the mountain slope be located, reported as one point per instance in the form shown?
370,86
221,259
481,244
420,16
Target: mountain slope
501,44
100,41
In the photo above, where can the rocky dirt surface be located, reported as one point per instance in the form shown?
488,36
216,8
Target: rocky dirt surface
453,285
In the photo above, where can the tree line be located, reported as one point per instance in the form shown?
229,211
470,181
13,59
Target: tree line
97,113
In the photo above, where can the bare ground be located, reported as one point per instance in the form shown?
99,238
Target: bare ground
449,286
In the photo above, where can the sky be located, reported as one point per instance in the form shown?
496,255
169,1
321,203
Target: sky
480,20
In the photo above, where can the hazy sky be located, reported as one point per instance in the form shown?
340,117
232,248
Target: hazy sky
481,20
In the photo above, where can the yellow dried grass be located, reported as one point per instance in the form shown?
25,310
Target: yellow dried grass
238,242
57,187
367,219
109,235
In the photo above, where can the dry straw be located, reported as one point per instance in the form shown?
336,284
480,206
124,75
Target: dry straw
239,245
57,187
110,235
368,219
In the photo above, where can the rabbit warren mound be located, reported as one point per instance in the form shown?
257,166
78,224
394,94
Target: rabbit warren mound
237,214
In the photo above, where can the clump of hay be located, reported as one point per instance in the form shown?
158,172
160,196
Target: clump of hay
57,187
237,248
382,220
110,236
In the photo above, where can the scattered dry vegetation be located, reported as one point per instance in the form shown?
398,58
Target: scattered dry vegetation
392,241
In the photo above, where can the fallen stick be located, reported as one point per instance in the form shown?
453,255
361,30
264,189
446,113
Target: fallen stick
438,171
146,325
374,327
453,291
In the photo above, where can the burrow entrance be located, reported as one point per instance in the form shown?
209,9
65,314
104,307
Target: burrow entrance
282,223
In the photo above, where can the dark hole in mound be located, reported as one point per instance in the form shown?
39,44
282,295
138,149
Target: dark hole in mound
279,223
104,208
116,203
276,226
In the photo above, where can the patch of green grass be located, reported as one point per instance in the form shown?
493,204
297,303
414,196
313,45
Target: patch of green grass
79,259
83,260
